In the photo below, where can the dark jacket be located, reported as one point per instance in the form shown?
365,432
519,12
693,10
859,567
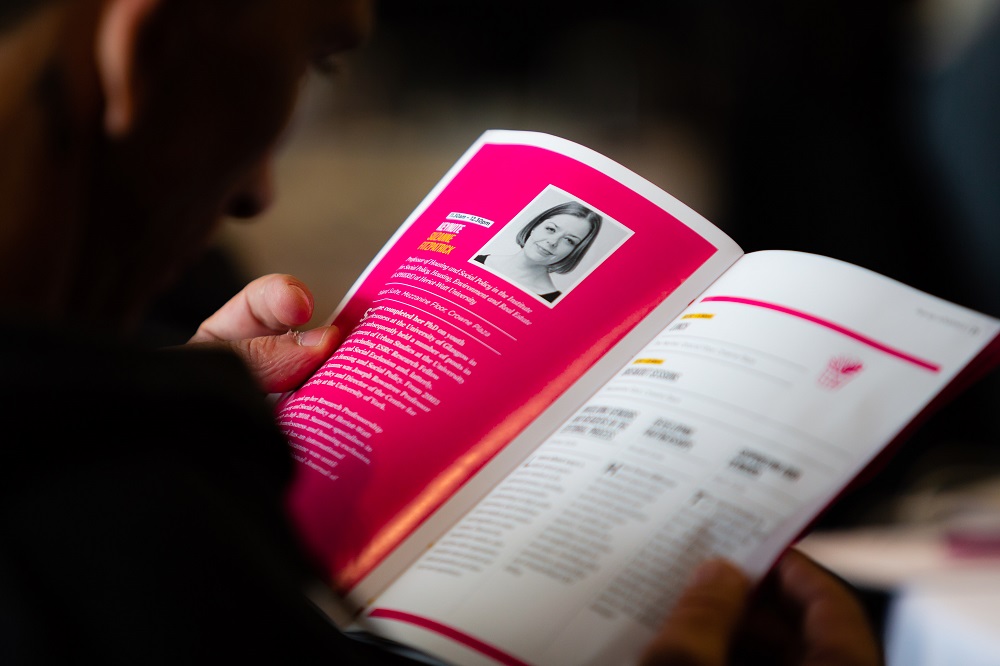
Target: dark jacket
141,515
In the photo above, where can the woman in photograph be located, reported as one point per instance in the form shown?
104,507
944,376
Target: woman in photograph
553,242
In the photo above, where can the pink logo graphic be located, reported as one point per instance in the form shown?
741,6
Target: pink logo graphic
839,371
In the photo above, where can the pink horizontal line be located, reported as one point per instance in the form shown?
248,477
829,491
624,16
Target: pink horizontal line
450,632
933,367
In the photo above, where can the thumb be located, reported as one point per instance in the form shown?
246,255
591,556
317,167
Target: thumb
282,362
699,628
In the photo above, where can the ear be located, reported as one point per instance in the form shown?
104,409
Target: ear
118,30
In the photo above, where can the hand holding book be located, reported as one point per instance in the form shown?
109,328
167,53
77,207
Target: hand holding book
677,400
801,614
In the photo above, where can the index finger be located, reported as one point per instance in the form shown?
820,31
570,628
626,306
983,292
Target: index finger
269,305
835,628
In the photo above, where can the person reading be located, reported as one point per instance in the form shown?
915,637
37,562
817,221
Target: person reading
130,128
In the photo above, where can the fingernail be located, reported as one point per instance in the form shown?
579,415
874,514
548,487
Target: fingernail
302,294
314,337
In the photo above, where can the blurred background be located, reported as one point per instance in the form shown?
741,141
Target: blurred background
863,130
849,129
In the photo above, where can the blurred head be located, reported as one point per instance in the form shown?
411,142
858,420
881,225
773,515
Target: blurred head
140,124
560,236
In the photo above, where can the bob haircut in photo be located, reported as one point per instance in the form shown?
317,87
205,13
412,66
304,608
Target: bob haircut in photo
569,208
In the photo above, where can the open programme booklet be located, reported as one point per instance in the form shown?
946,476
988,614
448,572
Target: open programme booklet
562,389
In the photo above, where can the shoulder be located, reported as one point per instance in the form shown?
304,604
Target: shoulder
134,405
128,458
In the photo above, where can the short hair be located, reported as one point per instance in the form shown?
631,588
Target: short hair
576,209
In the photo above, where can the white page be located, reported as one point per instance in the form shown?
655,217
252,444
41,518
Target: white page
725,436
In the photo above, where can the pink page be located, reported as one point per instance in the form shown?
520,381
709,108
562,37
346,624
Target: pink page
448,358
